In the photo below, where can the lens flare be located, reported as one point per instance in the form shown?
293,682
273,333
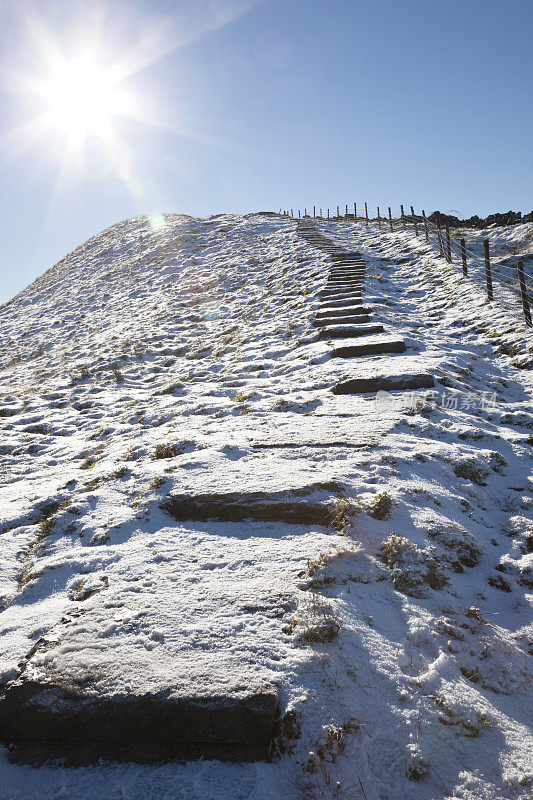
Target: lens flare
156,222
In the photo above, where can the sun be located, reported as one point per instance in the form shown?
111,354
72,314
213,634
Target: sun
81,98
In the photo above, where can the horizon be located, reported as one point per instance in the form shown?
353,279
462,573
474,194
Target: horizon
240,106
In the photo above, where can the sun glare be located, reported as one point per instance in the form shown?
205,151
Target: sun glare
82,98
78,78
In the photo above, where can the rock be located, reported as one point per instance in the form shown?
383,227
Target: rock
238,506
385,383
372,346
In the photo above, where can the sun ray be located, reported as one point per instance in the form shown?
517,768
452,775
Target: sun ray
170,33
51,207
22,138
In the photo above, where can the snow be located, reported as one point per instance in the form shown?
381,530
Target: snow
200,336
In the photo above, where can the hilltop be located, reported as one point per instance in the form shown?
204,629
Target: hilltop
187,508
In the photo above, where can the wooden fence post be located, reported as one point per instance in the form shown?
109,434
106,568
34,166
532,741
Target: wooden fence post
320,213
403,217
425,225
314,214
439,234
448,244
338,214
523,292
488,275
379,218
346,209
390,220
292,215
414,221
328,213
299,214
366,212
463,256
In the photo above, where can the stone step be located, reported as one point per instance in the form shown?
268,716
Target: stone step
345,294
339,282
349,331
346,263
358,286
347,270
259,506
385,383
345,282
343,306
46,720
351,276
346,277
349,319
347,267
340,290
348,273
335,313
328,305
371,346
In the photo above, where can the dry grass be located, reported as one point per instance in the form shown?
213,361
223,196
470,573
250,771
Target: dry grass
165,451
471,472
342,516
317,621
381,506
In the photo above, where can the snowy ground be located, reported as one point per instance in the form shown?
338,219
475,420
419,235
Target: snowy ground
402,669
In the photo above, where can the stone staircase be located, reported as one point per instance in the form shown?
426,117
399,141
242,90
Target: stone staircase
342,314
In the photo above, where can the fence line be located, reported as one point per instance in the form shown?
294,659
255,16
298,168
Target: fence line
513,289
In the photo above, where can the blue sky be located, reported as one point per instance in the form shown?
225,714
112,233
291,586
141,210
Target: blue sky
257,106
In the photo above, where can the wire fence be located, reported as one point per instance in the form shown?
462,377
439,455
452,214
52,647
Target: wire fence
505,277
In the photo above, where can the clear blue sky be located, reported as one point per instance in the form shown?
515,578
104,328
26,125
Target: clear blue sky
279,103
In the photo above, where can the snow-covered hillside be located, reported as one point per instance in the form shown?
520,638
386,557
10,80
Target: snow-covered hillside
177,358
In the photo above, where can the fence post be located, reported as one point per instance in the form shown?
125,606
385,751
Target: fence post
441,243
346,209
488,275
320,213
366,212
523,292
379,218
292,215
338,215
448,244
314,214
439,234
354,211
425,225
328,213
403,217
463,256
414,221
299,214
390,220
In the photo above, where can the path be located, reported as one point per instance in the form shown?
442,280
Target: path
343,315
